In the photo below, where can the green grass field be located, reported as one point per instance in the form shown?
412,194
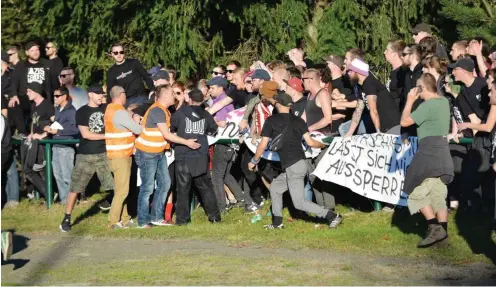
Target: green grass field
361,233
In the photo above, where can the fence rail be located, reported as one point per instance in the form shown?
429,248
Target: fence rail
49,171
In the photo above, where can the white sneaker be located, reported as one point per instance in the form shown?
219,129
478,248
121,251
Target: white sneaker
454,204
11,204
161,223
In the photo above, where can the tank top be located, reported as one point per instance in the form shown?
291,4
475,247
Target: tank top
314,113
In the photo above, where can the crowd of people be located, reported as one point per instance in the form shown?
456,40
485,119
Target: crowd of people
429,94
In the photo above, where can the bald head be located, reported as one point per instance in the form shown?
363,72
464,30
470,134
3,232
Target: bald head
116,91
118,95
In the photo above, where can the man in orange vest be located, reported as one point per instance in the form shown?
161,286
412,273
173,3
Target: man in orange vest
120,129
151,159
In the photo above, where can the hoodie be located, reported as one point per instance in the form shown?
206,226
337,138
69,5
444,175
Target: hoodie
192,122
66,117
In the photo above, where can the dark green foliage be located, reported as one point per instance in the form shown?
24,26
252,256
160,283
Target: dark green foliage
195,35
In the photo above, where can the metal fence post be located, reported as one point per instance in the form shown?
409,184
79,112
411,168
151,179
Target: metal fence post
48,160
377,206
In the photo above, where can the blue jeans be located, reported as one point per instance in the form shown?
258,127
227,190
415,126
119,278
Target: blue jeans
63,164
12,185
153,166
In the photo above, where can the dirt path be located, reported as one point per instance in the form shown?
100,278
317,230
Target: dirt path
56,260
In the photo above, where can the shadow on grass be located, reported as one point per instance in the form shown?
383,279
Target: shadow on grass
409,224
477,229
92,211
19,243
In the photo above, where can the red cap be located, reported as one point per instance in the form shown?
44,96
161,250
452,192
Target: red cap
295,83
249,74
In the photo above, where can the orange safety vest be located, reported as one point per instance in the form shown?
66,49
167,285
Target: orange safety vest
119,142
151,140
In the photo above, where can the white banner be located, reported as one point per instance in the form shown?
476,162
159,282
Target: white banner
273,156
231,130
371,165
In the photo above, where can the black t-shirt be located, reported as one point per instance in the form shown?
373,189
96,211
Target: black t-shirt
239,97
411,78
56,67
461,110
349,96
396,83
93,119
292,150
40,116
477,96
298,108
386,107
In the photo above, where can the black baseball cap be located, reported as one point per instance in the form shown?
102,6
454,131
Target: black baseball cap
465,63
283,99
36,87
97,89
422,27
161,75
196,96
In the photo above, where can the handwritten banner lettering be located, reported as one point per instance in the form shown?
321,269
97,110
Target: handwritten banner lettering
273,156
231,130
371,165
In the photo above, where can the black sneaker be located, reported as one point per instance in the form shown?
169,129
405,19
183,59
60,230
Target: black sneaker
230,205
333,223
104,205
272,226
239,204
65,226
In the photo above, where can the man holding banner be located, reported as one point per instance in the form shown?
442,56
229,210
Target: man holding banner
290,129
432,168
224,155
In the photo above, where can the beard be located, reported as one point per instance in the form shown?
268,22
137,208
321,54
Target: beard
266,102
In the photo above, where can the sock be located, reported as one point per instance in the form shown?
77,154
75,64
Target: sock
444,225
168,211
432,221
67,216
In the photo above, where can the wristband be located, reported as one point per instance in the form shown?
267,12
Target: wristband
254,161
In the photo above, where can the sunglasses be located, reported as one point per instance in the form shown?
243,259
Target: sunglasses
65,75
307,78
217,73
59,95
230,71
118,52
